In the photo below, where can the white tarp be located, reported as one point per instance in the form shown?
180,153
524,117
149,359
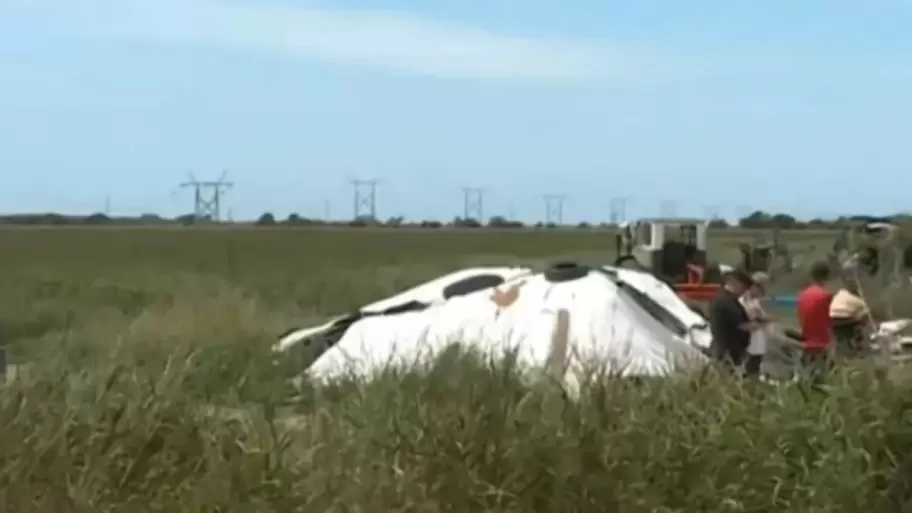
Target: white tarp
594,321
668,299
430,293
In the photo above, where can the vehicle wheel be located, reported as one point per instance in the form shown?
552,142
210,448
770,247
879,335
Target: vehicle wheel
628,262
712,273
870,260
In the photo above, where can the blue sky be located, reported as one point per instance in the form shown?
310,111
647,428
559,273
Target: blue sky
799,106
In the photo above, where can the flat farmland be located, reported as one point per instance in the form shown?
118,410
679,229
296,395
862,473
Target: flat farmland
72,274
72,277
151,387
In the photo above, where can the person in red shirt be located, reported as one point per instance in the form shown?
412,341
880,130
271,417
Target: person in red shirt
814,318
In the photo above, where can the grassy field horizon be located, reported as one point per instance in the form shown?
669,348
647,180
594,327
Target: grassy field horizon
55,276
152,387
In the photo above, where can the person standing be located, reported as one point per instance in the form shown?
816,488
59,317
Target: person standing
729,323
755,312
814,319
850,319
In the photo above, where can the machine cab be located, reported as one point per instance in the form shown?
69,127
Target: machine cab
668,246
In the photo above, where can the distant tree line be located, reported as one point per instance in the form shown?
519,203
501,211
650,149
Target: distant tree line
756,220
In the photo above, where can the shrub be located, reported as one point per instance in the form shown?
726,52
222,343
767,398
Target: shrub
462,434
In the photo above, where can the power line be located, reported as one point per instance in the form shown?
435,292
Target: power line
473,203
554,208
618,210
207,196
365,199
711,212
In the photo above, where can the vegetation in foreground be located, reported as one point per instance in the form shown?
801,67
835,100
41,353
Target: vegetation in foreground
150,387
162,428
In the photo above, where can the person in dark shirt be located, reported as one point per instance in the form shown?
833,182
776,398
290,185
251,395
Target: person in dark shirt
729,323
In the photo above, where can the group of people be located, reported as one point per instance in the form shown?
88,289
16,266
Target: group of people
828,322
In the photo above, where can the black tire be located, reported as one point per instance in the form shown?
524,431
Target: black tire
565,271
907,257
628,262
870,260
712,273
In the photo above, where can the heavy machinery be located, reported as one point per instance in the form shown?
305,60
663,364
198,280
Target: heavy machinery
874,243
674,249
768,255
878,252
876,246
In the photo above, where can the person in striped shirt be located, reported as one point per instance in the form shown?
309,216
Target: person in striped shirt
751,300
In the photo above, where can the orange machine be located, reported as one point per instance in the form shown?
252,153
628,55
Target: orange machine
675,251
694,288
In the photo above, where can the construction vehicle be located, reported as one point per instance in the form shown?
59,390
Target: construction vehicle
878,252
875,244
770,256
674,249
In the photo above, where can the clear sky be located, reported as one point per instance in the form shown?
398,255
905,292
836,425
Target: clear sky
803,106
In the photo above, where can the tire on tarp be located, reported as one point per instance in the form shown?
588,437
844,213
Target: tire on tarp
628,262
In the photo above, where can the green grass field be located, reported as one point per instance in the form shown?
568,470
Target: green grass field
150,387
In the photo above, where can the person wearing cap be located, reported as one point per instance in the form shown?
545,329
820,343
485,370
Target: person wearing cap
729,323
755,312
849,316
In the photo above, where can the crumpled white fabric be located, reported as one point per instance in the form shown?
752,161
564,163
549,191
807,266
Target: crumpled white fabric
608,331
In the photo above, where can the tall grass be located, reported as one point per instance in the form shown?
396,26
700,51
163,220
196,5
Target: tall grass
152,426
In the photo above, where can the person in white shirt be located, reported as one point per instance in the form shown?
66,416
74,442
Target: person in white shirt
755,312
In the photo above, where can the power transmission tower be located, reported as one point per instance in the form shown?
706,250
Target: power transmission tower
668,208
711,212
365,199
554,209
618,213
107,205
207,196
473,203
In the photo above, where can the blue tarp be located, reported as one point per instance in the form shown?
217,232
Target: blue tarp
790,299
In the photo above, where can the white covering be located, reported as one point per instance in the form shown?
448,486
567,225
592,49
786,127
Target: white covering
607,328
430,292
894,332
665,296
